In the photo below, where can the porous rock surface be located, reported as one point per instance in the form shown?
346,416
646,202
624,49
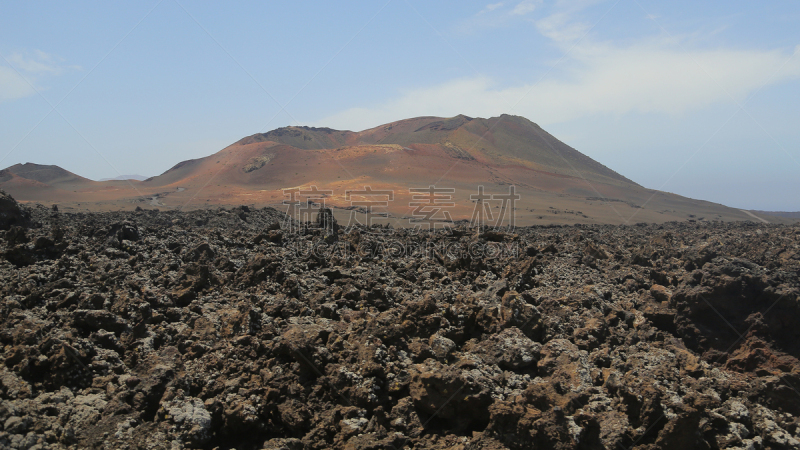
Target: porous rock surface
218,329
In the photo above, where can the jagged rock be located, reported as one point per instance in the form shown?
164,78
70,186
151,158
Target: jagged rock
191,419
216,328
327,222
11,213
510,349
451,393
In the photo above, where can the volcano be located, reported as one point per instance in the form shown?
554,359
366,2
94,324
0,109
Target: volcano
460,155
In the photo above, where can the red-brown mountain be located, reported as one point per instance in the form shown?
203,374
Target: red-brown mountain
556,182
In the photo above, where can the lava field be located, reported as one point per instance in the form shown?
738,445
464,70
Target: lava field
225,329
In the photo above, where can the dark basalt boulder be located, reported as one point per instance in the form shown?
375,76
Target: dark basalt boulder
11,213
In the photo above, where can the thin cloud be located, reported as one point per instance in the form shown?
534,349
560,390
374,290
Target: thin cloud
491,7
563,25
496,15
654,77
657,75
39,62
27,68
13,86
559,28
525,7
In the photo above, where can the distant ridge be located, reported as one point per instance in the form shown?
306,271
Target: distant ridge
126,177
786,214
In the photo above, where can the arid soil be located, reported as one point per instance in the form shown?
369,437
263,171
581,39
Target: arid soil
219,329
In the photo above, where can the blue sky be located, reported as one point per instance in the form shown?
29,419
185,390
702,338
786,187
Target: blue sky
696,98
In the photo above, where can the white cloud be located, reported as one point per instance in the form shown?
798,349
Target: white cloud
657,75
38,62
13,86
496,15
558,28
525,7
651,77
463,95
19,80
562,24
491,7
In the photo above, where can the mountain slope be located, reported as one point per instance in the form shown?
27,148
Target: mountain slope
500,140
51,175
556,183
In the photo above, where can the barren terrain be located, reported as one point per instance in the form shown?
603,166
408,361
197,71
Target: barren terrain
218,329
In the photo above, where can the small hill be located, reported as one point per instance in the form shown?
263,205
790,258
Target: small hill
50,175
126,177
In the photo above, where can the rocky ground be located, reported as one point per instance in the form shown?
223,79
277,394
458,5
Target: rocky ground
218,329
